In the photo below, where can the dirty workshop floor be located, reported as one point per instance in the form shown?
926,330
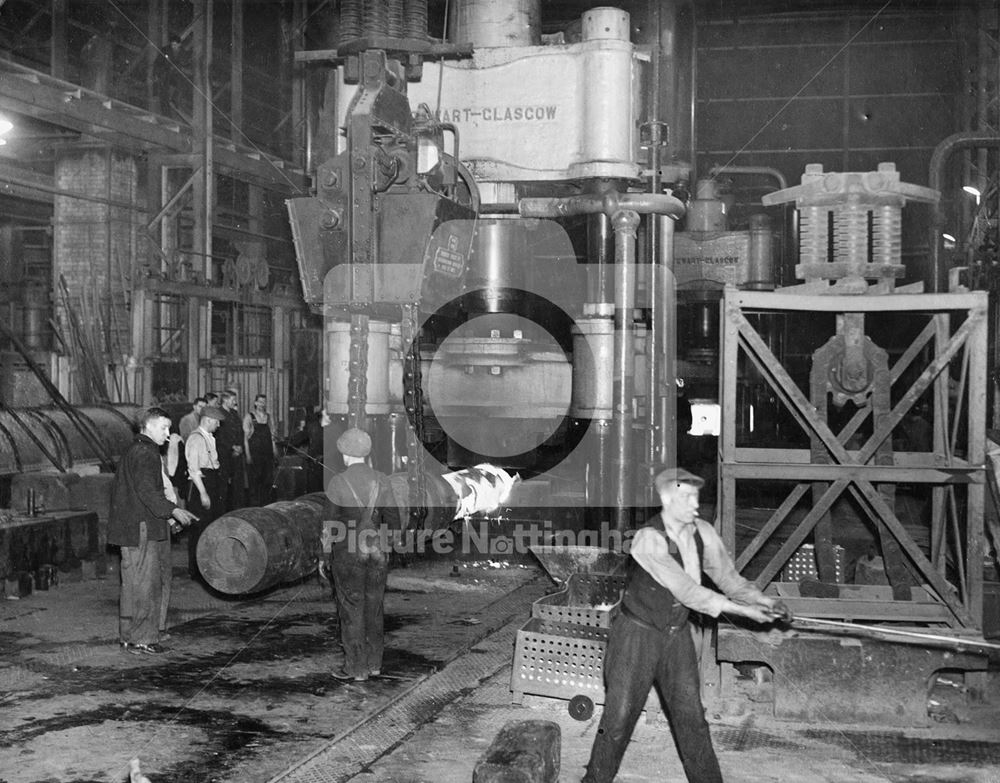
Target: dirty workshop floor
244,694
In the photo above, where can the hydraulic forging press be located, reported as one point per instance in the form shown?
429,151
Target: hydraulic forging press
447,243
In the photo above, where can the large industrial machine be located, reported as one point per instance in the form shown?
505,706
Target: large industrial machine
510,272
473,245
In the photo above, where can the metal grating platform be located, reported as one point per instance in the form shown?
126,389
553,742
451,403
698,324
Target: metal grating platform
350,752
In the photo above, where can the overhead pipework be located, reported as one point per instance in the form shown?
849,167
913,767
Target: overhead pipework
709,256
47,439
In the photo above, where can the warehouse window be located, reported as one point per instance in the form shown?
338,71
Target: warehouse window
240,330
169,331
255,332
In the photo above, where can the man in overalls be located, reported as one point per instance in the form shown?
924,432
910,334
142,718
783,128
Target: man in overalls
650,639
359,566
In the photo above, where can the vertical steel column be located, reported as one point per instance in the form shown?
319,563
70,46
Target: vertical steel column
939,494
625,223
58,58
236,72
976,455
203,190
729,313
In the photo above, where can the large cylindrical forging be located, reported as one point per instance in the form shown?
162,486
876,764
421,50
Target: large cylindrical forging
252,549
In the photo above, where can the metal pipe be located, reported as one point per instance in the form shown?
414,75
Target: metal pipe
609,203
789,230
766,171
602,450
600,253
693,86
663,49
667,322
42,438
625,223
935,180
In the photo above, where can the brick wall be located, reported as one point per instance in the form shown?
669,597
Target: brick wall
94,250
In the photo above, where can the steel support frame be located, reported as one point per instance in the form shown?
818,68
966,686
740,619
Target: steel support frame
851,471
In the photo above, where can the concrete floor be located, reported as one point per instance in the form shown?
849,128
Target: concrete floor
244,694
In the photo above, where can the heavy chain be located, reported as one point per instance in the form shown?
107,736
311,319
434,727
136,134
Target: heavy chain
413,401
357,384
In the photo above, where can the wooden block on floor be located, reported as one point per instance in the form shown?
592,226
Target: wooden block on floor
525,751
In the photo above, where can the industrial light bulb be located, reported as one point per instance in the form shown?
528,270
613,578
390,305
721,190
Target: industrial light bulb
973,192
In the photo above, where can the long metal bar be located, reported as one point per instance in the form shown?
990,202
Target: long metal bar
918,460
879,474
897,303
978,345
874,630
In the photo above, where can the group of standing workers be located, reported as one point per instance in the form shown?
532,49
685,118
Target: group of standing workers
230,461
152,497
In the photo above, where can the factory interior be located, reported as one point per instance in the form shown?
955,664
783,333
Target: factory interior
539,251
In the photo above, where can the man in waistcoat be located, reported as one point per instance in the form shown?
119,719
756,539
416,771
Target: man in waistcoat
650,639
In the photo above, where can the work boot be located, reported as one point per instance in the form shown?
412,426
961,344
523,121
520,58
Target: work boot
340,674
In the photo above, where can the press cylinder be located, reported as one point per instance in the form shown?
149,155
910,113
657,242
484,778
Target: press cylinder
593,363
496,23
760,270
495,279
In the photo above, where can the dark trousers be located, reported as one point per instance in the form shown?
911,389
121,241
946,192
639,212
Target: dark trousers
636,657
210,479
145,590
260,479
233,480
359,585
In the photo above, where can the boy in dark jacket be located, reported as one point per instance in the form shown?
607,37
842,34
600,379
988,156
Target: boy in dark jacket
140,521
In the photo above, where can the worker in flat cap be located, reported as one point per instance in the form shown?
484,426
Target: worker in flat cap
359,565
205,492
650,638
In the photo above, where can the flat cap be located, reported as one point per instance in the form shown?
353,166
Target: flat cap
211,412
672,476
354,443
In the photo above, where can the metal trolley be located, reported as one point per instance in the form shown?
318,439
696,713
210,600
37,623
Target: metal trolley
559,652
